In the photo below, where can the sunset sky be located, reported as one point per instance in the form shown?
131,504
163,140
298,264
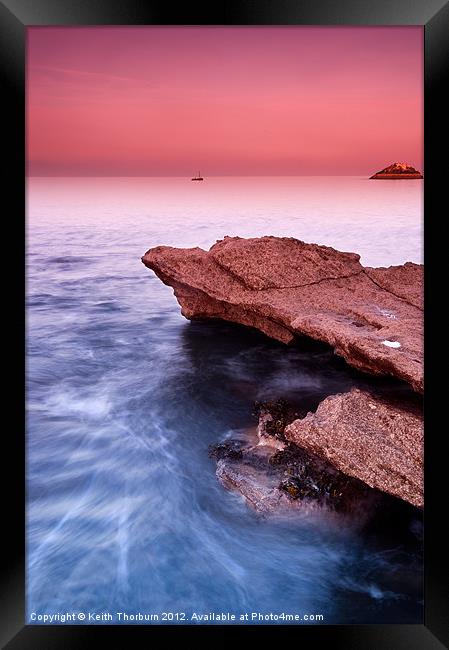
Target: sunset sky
140,101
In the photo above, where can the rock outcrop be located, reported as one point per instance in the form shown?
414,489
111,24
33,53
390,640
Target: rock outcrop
372,438
355,446
396,171
285,288
275,481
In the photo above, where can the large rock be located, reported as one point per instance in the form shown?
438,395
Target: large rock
368,437
285,287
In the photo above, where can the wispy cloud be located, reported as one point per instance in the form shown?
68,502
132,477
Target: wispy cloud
83,74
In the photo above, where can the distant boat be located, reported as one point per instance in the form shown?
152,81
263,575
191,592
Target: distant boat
198,178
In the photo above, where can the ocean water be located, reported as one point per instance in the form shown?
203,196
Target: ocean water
124,512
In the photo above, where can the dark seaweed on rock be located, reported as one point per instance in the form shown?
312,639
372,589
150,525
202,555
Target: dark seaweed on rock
231,449
309,477
282,413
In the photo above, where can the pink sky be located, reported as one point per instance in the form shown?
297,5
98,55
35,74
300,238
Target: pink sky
138,101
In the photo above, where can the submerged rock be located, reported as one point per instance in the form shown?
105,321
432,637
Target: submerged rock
285,287
369,437
253,478
272,481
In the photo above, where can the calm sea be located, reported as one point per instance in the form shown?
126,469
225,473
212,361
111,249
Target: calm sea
124,396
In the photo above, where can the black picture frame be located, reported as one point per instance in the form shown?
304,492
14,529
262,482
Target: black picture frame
15,17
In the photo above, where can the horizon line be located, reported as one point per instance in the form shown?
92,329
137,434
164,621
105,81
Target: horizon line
186,176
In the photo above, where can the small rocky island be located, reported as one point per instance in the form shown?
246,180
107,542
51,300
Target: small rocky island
396,171
357,445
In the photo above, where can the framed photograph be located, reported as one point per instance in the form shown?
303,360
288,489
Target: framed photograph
225,214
